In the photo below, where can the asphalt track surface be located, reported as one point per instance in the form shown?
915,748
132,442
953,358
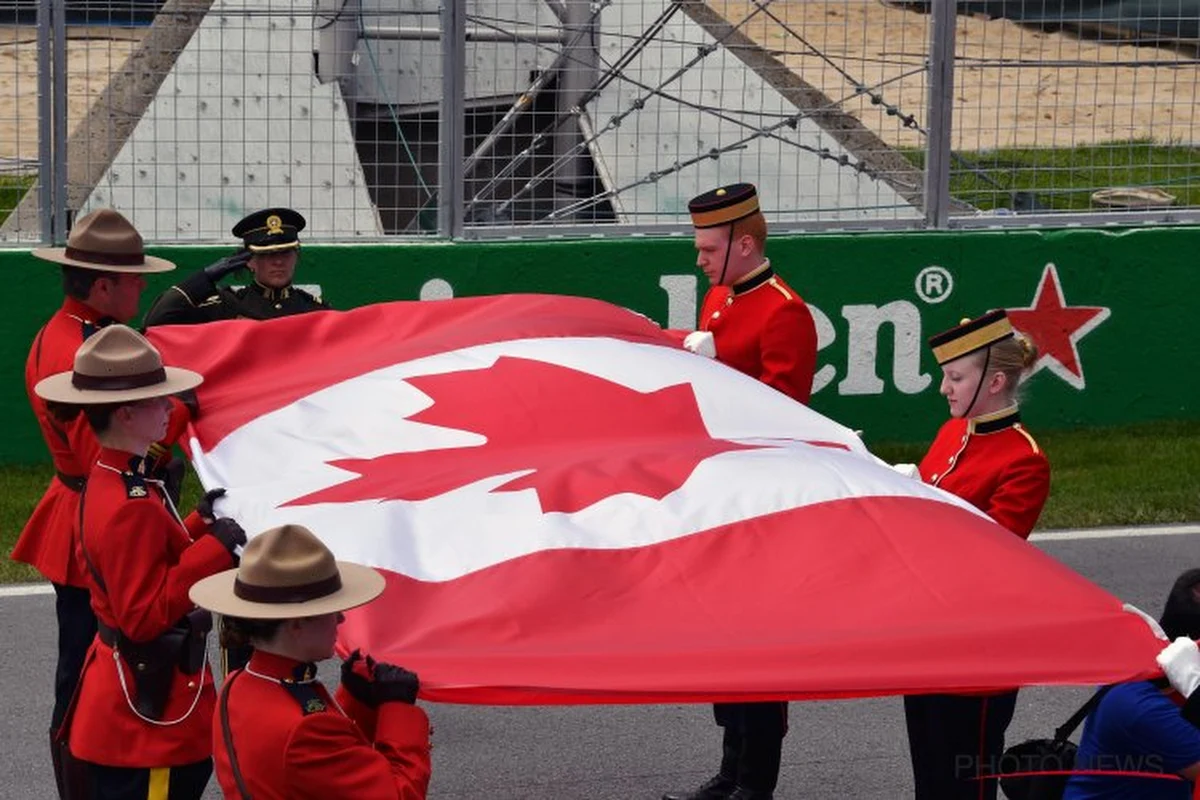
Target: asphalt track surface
844,749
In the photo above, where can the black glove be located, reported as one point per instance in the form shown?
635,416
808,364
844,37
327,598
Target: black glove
233,263
395,684
205,507
171,474
228,533
357,676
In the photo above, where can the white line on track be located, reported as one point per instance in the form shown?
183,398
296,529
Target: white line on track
26,589
31,589
1115,533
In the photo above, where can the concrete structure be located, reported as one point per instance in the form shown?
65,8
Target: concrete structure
240,123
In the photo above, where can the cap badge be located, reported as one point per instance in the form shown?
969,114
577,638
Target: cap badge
274,224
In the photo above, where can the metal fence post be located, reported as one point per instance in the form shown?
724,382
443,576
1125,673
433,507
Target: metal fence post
572,179
45,68
452,119
941,106
61,223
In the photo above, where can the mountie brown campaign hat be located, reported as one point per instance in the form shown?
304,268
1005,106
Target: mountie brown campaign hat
116,365
971,335
270,229
286,572
104,241
723,206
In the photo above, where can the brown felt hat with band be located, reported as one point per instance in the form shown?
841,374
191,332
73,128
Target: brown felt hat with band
287,572
104,241
970,336
116,365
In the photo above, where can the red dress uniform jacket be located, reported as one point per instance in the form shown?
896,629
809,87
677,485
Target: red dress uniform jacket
762,328
298,743
48,540
995,465
147,560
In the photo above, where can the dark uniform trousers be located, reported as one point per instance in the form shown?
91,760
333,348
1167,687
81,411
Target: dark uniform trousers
161,783
954,739
76,629
753,743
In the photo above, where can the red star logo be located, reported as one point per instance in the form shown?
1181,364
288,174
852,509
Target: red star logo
1056,328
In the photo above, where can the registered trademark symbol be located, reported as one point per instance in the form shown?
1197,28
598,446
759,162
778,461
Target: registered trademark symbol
934,284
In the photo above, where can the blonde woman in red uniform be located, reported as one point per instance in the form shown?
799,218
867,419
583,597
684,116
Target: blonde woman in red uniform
984,455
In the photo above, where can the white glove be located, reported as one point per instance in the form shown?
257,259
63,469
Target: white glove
1180,660
907,470
701,343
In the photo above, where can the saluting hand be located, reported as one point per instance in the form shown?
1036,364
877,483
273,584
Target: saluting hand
233,263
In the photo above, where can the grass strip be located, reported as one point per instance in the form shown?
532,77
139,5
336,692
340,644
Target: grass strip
1064,178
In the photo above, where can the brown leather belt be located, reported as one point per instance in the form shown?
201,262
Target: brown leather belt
73,482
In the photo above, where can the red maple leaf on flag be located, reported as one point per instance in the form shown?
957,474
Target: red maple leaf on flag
582,438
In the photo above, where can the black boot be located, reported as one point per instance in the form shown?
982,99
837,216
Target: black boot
56,759
716,788
750,794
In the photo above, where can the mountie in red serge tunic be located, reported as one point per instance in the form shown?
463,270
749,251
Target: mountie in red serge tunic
48,539
147,559
293,741
994,464
762,328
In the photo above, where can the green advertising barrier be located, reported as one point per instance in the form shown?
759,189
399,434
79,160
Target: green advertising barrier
1112,310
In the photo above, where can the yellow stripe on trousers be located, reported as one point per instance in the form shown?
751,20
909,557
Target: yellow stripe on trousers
160,783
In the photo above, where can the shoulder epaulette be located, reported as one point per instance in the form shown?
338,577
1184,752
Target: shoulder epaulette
781,289
1028,437
306,696
309,295
135,485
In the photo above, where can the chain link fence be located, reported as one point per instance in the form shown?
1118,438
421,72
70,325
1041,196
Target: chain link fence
498,118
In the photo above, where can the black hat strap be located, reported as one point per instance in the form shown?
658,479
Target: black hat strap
987,359
728,248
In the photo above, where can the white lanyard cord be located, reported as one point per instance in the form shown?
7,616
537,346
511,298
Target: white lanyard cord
143,717
117,653
279,682
163,493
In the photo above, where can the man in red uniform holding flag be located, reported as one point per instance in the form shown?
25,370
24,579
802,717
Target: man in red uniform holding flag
103,267
754,322
750,319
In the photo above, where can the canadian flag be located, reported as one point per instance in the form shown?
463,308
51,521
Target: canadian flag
569,508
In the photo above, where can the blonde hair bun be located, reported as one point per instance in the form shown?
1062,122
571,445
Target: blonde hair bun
1029,351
